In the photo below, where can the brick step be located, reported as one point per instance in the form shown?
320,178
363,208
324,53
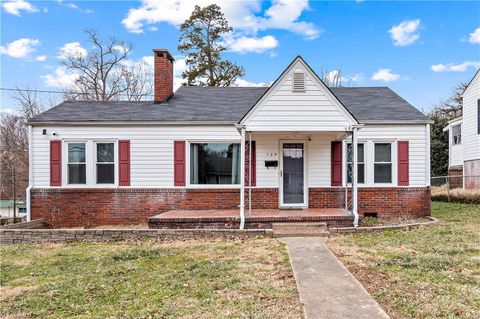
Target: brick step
300,229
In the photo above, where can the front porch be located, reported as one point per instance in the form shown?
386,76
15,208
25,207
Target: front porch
258,219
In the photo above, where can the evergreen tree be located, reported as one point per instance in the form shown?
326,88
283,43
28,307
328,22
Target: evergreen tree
201,43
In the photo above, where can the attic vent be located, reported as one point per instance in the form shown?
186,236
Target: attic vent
298,82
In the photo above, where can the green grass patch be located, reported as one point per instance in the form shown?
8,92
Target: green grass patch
430,272
146,279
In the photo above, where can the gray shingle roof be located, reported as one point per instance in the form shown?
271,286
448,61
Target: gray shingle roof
370,104
224,104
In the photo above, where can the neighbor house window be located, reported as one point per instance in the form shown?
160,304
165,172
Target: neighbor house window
457,134
360,164
383,163
215,163
76,163
105,163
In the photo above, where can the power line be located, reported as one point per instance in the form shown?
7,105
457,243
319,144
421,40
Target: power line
56,92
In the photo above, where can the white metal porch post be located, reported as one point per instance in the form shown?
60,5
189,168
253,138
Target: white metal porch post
354,176
242,179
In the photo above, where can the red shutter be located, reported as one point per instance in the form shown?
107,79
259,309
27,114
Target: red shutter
124,163
254,163
336,165
179,163
55,163
403,171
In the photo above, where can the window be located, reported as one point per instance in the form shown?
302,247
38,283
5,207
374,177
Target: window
360,164
298,82
22,210
383,163
76,163
105,163
457,134
214,163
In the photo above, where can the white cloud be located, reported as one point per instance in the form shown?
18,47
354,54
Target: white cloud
462,67
475,36
332,77
7,111
60,78
244,16
405,33
15,7
71,49
258,45
20,48
385,75
41,58
242,82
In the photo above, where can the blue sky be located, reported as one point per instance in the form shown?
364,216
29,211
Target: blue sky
419,49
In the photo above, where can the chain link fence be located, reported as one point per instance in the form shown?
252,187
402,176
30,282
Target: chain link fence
458,188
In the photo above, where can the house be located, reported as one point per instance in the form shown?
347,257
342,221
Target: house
6,208
464,139
258,153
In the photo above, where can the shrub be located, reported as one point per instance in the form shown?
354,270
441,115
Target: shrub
459,195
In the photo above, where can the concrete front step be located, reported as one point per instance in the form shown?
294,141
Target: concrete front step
300,229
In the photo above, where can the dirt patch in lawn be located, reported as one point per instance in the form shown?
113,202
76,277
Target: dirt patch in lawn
7,292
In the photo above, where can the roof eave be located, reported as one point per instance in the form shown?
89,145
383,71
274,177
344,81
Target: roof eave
404,122
166,123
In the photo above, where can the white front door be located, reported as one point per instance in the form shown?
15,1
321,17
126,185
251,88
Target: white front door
293,183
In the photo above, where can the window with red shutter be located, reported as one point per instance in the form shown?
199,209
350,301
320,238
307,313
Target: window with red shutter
179,163
403,163
55,163
124,163
336,164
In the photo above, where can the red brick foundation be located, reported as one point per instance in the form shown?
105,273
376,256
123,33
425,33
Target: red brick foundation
94,207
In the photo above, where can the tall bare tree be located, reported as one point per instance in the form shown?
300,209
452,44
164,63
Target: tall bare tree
105,72
334,78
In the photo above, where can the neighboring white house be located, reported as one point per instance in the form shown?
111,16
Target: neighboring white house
464,137
205,148
6,208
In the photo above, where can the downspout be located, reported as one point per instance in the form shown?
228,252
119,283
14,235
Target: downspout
249,174
354,176
30,173
242,178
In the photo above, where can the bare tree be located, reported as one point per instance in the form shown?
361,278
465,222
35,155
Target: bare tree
138,79
14,158
334,78
104,73
452,107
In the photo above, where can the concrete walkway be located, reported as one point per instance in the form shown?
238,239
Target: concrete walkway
327,289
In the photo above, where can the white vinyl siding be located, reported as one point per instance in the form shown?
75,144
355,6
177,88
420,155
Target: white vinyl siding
151,151
470,136
151,148
284,109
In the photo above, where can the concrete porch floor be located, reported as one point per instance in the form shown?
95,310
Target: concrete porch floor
260,218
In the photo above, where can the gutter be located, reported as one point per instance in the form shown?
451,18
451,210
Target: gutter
143,123
30,174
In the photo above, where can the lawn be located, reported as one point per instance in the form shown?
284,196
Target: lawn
146,279
432,272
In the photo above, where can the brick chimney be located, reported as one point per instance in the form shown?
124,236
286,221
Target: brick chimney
162,75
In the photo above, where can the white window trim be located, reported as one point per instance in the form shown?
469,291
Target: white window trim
65,166
364,143
453,136
115,163
188,163
90,158
393,162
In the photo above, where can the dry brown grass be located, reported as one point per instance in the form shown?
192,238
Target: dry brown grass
218,278
460,195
